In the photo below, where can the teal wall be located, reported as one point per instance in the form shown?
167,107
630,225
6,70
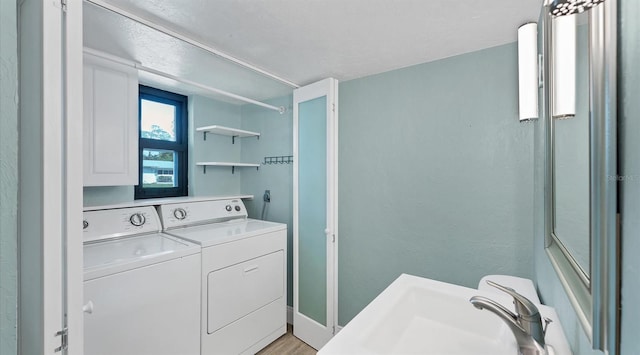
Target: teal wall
629,147
276,139
31,265
435,176
8,177
218,180
106,195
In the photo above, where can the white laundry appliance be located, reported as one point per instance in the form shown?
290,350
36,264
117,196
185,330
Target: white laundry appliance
244,268
141,287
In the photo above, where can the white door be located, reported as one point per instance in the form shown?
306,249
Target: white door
315,212
50,35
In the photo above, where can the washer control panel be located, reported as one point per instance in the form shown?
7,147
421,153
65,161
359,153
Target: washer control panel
118,222
187,213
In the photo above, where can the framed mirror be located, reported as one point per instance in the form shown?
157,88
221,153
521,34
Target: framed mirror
580,212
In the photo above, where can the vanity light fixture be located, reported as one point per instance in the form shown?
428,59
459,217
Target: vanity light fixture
528,71
569,7
563,66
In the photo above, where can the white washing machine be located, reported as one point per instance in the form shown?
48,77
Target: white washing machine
141,287
244,268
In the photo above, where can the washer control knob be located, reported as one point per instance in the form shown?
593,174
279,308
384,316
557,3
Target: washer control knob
137,219
228,208
238,208
85,224
180,213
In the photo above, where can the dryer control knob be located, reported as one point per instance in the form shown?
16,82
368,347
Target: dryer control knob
228,208
238,208
180,213
85,224
137,219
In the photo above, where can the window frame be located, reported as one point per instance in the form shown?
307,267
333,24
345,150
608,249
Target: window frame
180,146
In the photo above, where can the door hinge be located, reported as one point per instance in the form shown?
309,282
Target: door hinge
64,339
334,330
61,4
333,107
333,238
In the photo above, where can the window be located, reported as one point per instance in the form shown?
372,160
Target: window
162,144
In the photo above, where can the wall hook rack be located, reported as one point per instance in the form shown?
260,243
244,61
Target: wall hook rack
282,159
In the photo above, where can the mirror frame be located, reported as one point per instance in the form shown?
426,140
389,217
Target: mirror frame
595,301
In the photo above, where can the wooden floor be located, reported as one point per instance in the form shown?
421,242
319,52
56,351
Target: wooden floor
288,345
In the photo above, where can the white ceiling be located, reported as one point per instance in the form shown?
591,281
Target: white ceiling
305,41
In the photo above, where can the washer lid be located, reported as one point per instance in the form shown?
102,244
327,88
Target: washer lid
224,232
117,255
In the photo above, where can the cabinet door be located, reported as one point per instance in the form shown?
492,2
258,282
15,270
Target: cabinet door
110,123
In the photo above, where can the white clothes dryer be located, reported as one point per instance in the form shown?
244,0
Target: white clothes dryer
244,270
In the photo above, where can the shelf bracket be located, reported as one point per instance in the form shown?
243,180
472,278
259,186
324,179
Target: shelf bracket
204,135
233,169
204,169
233,139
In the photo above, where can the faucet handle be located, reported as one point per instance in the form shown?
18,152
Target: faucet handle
524,307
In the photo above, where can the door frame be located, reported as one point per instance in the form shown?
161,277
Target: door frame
305,328
50,192
73,174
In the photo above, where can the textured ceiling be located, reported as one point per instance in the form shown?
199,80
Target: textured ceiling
305,41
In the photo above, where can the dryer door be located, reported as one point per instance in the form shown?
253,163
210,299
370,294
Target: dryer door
237,290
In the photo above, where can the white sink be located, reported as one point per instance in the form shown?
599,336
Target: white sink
415,315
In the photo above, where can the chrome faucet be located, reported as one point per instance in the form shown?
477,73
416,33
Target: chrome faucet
526,323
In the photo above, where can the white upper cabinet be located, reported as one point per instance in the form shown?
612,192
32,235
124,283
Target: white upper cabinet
110,122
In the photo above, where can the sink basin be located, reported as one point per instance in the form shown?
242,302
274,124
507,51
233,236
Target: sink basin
415,315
